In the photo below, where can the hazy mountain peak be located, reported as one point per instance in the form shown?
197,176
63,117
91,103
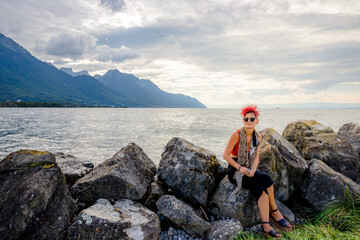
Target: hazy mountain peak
111,72
74,74
116,74
97,76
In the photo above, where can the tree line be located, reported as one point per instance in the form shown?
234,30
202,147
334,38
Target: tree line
44,104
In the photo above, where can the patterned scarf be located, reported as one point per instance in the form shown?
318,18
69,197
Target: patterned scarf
243,157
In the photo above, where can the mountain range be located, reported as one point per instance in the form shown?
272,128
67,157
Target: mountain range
23,76
74,74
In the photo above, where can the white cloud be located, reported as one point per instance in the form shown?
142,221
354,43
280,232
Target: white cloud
220,52
115,5
69,45
116,55
347,83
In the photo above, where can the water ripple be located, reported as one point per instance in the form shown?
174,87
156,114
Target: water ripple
96,134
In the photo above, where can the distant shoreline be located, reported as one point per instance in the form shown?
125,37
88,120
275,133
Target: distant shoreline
9,104
15,104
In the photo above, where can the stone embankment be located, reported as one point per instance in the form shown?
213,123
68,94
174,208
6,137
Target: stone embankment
56,196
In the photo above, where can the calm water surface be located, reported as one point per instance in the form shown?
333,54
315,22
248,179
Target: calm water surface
96,134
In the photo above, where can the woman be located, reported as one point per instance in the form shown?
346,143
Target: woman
242,154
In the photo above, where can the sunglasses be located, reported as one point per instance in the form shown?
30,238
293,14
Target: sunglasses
246,119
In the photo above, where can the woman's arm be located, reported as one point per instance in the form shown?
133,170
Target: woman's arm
256,160
229,147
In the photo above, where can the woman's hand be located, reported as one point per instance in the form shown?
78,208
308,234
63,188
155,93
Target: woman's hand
244,170
252,173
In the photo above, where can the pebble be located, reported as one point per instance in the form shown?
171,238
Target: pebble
176,234
179,234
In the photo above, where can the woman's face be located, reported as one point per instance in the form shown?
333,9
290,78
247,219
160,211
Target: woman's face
249,124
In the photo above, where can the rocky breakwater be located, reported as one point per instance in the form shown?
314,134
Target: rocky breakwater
333,163
126,175
323,184
283,162
186,197
314,140
35,200
111,190
351,133
188,170
72,167
125,219
192,175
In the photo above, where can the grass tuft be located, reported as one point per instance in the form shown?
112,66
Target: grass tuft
339,220
343,215
306,231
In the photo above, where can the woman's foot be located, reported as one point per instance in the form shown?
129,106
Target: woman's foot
278,217
268,230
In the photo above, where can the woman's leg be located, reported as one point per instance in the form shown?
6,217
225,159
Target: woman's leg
272,203
263,204
277,215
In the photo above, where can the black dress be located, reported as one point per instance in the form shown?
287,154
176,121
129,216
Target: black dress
256,184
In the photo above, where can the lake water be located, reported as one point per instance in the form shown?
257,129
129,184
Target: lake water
96,134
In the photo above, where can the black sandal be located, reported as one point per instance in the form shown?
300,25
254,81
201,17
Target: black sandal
271,233
283,223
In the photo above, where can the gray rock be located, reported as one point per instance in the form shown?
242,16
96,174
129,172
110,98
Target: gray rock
285,211
188,170
257,228
224,229
283,162
35,201
244,208
72,167
351,133
125,219
314,140
126,175
323,185
182,214
156,189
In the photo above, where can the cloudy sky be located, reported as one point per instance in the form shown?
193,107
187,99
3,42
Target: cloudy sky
224,53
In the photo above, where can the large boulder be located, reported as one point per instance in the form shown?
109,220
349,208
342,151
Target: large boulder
314,140
156,189
243,208
35,201
182,215
125,219
126,175
72,167
283,162
323,185
188,170
224,229
351,133
270,161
